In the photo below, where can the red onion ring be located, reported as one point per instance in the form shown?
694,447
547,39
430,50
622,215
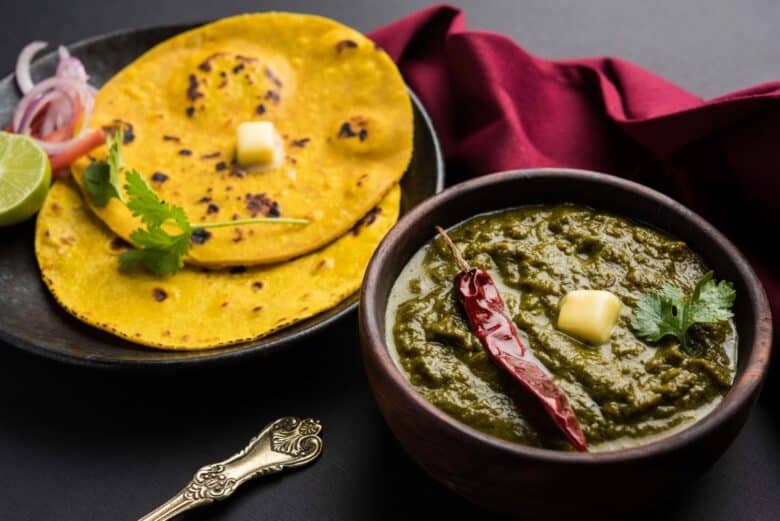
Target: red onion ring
42,94
58,114
23,78
54,102
25,125
61,110
53,148
30,104
69,66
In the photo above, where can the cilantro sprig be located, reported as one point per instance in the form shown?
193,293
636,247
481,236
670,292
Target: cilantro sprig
670,313
161,252
102,177
163,242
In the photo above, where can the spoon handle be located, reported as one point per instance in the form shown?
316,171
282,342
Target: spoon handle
285,443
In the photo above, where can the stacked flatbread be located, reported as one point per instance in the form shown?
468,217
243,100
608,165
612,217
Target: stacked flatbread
342,110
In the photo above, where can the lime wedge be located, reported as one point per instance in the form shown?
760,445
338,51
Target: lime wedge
25,176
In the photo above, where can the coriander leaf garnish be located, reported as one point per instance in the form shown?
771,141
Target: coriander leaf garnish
115,161
658,315
712,302
160,250
670,313
144,203
96,181
101,178
157,260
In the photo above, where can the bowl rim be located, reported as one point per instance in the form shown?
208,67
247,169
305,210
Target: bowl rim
746,383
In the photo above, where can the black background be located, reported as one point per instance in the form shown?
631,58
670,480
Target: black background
82,444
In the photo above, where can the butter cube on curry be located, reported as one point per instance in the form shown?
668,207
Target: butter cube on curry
258,145
589,314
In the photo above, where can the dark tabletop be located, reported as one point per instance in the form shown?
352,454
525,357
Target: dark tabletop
81,444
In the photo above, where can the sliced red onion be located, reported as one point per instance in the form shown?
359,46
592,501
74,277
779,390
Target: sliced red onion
48,125
70,67
25,111
30,103
58,96
45,92
61,109
61,146
23,78
58,114
25,125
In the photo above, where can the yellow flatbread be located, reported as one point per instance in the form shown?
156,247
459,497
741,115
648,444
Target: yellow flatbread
196,308
338,102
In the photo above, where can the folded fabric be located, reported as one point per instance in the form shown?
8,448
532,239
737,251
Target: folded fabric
497,107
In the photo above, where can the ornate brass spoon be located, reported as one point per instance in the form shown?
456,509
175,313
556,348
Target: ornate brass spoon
288,442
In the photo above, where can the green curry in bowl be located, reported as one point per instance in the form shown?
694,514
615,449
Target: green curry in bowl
625,390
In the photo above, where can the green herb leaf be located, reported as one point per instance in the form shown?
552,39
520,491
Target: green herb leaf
96,180
143,202
158,239
655,317
101,178
161,253
160,250
158,262
115,161
713,301
670,313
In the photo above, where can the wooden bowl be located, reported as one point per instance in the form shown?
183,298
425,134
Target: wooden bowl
538,483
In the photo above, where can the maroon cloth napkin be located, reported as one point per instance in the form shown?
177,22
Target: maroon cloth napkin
497,107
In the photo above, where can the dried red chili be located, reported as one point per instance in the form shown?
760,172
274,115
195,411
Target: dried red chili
488,320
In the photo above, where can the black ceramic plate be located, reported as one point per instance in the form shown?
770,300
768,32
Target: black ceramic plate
30,318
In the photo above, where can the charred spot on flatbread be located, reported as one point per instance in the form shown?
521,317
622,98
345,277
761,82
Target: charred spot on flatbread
199,94
261,204
195,308
367,220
